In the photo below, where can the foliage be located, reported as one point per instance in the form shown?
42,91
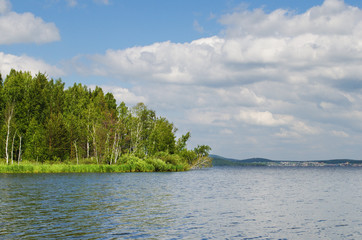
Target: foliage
42,122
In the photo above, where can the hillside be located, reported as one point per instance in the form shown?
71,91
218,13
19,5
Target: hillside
222,161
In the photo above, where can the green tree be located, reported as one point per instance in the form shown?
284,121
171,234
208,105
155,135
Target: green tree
36,147
2,100
182,142
36,99
202,151
76,101
57,138
46,122
143,120
162,137
15,111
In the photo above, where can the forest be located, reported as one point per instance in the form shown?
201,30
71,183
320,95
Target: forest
43,122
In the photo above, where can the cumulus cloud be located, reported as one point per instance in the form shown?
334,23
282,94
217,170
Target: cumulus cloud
330,18
265,118
24,27
5,6
291,75
123,95
26,63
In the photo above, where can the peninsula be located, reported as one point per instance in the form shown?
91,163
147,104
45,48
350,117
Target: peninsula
46,127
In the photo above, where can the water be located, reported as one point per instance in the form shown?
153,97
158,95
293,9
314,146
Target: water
217,203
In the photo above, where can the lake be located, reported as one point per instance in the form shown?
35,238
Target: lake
215,203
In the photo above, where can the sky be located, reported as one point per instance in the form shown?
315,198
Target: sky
278,79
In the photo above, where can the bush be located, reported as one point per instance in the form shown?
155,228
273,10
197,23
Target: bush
173,159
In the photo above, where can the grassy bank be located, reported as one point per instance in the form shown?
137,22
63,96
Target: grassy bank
131,164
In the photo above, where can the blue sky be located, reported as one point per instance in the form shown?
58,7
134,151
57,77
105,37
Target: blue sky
264,78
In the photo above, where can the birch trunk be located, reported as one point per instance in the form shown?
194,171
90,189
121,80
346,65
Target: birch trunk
88,131
8,134
19,157
95,144
12,149
76,151
114,148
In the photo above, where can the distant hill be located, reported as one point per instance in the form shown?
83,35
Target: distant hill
340,161
222,161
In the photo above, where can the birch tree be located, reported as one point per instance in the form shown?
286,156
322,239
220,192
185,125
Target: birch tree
9,116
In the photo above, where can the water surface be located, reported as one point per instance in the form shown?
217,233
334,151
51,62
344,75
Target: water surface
217,203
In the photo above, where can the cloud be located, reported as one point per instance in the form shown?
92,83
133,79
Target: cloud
267,77
105,2
25,27
5,6
72,3
123,95
198,27
330,18
26,63
340,134
265,118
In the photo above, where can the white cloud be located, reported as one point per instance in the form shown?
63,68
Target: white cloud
239,95
26,63
5,6
268,119
226,131
339,134
330,18
204,117
198,27
264,118
292,75
123,95
25,27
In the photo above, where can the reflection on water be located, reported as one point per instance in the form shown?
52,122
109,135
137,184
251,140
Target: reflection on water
218,203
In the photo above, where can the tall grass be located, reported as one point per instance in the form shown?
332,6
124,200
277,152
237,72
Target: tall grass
128,163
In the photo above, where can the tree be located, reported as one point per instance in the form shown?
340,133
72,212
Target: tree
203,159
36,147
76,101
57,137
40,120
8,117
143,120
182,142
162,137
202,151
2,100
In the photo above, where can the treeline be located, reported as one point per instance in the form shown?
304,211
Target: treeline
44,122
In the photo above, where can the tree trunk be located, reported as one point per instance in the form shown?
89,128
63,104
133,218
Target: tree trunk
19,157
95,144
12,149
76,151
87,148
107,149
8,134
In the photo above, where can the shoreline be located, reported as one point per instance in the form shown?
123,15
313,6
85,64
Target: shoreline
88,168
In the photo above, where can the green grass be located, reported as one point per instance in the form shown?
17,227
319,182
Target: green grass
127,164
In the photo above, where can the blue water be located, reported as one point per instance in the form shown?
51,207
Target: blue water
217,203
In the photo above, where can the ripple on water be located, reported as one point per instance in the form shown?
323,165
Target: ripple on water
219,203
